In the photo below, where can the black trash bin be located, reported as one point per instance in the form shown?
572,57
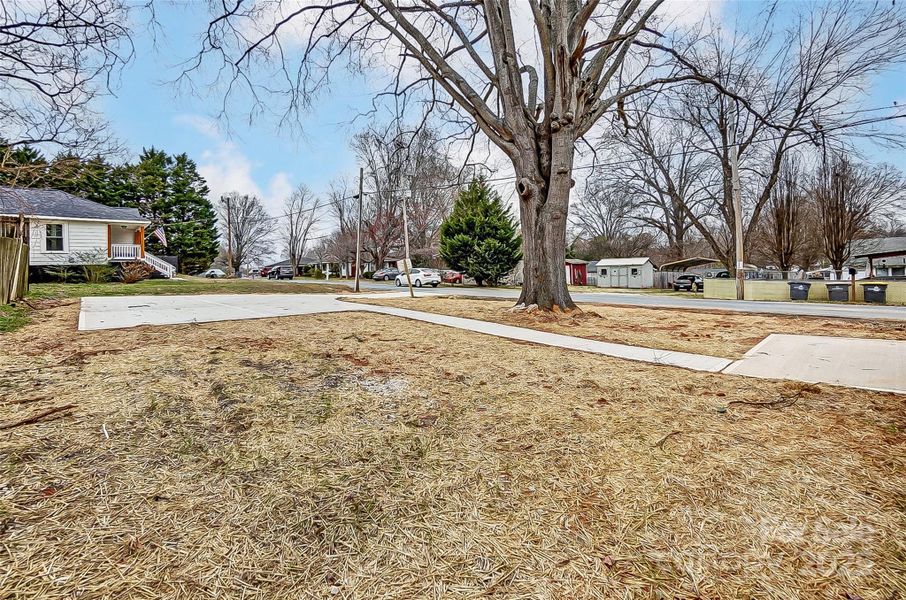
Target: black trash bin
838,292
799,290
875,292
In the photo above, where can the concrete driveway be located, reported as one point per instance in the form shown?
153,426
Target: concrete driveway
852,362
117,312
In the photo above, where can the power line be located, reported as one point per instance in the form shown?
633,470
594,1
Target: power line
593,166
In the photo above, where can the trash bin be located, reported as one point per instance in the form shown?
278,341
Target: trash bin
799,290
875,292
838,292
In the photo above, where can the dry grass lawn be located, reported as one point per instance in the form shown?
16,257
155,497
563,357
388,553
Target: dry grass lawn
714,333
363,456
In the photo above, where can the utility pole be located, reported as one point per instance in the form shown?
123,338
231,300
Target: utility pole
226,199
408,264
737,210
358,233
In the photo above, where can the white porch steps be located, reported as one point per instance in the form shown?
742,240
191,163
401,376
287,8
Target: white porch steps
160,265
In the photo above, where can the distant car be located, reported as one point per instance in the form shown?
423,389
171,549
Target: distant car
212,274
281,272
452,277
264,271
692,283
385,274
419,278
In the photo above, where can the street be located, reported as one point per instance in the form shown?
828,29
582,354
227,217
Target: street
810,309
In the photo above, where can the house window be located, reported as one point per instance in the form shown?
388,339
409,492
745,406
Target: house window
604,272
635,272
53,237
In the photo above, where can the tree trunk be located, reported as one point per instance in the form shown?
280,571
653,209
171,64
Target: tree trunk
544,202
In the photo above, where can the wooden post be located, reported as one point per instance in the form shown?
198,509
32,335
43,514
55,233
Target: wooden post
737,212
408,263
14,292
229,238
358,233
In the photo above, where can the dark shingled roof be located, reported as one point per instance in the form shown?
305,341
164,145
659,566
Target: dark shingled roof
54,203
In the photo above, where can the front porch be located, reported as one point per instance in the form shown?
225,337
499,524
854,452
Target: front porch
125,242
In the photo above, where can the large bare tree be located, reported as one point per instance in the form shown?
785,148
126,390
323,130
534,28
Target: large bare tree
246,229
57,57
399,163
802,77
300,214
467,61
851,197
785,215
661,169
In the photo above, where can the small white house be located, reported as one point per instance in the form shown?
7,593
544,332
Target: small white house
636,273
62,229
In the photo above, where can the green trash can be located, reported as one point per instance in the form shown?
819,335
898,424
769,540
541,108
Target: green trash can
875,292
799,290
838,292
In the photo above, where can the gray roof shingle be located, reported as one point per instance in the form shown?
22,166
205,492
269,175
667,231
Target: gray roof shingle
62,205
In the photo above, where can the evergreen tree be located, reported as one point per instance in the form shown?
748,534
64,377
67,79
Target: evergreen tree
151,174
192,230
22,166
479,237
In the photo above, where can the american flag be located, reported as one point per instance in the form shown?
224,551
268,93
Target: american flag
159,234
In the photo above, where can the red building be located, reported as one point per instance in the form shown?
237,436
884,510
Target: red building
576,271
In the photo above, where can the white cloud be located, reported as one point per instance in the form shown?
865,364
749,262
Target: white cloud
203,125
227,169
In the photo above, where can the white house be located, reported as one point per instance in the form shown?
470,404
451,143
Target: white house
637,272
62,229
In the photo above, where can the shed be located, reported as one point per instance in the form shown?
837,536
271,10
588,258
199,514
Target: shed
576,271
635,272
886,256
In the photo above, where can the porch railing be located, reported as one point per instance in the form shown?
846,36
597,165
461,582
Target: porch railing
125,251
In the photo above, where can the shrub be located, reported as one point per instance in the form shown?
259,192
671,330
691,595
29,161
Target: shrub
133,272
95,268
367,274
317,274
62,273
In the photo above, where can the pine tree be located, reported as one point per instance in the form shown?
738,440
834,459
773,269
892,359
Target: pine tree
192,233
479,237
151,173
21,166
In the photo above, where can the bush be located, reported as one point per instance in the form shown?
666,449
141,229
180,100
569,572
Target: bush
317,274
62,273
367,274
136,271
95,268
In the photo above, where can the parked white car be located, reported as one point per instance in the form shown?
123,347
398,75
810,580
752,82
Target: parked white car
212,274
420,277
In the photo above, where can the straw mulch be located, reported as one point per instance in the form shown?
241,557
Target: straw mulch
714,333
363,456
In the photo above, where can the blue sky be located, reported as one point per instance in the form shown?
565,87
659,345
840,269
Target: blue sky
261,157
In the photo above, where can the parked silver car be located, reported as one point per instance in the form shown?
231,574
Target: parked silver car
420,277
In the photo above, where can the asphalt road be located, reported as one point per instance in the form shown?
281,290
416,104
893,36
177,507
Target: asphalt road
809,309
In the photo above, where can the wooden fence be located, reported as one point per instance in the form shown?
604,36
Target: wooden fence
13,269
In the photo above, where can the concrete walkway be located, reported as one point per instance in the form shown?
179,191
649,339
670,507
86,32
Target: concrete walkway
852,362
